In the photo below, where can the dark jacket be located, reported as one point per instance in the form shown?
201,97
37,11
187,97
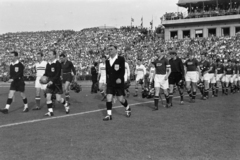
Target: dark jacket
114,72
94,74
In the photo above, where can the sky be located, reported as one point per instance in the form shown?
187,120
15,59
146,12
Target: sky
46,15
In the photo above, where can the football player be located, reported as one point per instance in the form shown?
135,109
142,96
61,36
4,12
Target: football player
140,73
17,82
162,72
40,68
102,77
192,76
54,86
68,75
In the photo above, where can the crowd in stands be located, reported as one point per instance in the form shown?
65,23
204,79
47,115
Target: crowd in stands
199,11
85,47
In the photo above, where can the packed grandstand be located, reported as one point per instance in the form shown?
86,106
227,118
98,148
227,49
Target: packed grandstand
86,46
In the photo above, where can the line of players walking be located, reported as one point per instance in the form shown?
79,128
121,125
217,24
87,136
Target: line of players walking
165,73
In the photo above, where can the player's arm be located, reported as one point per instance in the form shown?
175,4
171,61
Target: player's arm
182,69
144,70
73,69
99,72
128,71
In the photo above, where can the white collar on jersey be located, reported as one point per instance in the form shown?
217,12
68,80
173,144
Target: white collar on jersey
54,61
16,62
112,60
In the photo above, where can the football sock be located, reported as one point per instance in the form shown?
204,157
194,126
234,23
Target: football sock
9,101
125,104
189,93
170,97
25,103
38,99
167,98
49,105
67,96
194,95
109,108
156,99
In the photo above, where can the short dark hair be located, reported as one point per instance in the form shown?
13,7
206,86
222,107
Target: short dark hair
172,52
40,53
15,53
62,55
54,52
112,45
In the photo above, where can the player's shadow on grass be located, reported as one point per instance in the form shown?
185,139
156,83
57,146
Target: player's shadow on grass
30,106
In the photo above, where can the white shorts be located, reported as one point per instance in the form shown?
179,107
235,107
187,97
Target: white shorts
159,81
236,78
138,78
39,85
212,78
102,80
192,76
207,77
218,77
228,78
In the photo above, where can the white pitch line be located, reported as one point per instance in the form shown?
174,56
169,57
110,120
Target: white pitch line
70,115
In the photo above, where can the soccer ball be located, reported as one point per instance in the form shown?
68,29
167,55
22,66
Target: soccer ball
44,80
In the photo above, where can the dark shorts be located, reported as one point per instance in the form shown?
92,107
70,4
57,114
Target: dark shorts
54,89
175,78
18,86
67,77
116,91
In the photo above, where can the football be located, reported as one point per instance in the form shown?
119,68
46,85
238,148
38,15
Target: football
44,80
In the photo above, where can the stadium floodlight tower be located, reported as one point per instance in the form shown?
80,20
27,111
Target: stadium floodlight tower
204,18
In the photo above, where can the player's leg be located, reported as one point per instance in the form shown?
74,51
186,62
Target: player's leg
124,102
63,102
157,92
172,79
38,99
109,105
9,102
24,101
165,86
189,79
49,103
136,88
67,91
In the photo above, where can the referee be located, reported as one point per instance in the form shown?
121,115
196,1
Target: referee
177,75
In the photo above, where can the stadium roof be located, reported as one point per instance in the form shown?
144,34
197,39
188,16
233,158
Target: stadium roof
184,2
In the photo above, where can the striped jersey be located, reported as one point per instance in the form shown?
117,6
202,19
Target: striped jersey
40,68
140,71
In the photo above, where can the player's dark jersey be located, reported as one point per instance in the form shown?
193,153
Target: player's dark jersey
220,68
229,70
237,69
191,65
213,68
204,66
16,71
176,65
161,65
53,71
67,67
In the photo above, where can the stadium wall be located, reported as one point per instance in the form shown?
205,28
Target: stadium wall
194,25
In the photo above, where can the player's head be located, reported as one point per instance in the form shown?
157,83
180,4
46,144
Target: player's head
39,56
103,58
63,57
52,54
159,53
112,50
13,55
203,55
218,61
190,55
229,62
172,53
139,61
